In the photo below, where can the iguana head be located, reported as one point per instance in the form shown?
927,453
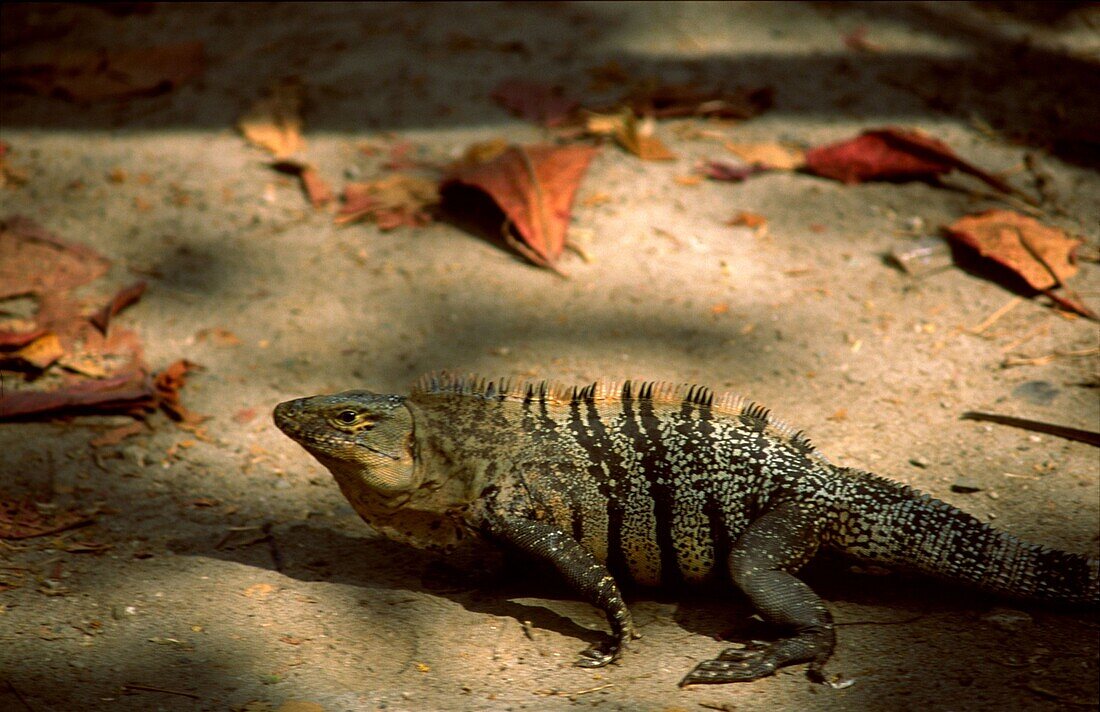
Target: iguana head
358,435
366,441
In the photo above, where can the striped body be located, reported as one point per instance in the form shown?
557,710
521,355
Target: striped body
658,483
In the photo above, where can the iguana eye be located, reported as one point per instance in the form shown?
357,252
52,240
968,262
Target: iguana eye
347,416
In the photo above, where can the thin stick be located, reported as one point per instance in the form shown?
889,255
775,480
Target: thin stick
995,316
1062,431
150,688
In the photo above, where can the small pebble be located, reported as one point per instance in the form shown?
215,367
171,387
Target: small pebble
966,485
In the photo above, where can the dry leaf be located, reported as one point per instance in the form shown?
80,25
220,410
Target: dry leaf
633,134
535,101
667,101
21,519
116,435
36,261
730,172
38,355
391,202
1041,254
167,385
274,123
756,222
534,187
259,590
769,155
314,186
80,75
127,393
125,297
892,154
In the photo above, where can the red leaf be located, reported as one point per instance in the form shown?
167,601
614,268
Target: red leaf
892,154
127,393
123,299
534,187
731,172
534,101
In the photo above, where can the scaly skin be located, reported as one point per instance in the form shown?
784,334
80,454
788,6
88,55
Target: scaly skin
659,484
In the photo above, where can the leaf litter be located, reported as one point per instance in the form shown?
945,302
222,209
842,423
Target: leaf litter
274,122
87,366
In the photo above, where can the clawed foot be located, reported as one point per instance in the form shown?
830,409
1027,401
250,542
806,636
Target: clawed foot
751,661
599,654
608,651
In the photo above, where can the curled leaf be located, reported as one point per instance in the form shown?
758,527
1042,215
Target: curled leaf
631,133
274,123
391,202
534,187
123,299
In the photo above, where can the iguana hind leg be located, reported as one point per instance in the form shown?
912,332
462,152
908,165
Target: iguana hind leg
761,563
584,574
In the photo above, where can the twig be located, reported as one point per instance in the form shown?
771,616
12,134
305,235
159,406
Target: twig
1062,431
563,693
149,688
18,695
995,316
1047,358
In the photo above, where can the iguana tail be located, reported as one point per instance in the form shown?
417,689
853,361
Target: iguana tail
888,523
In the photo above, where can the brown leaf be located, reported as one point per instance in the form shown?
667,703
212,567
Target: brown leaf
21,519
36,261
391,202
534,187
17,339
85,76
535,101
167,385
1040,254
116,435
123,299
633,134
754,221
769,155
892,154
127,393
314,186
274,123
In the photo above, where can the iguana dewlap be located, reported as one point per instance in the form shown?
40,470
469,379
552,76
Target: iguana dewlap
661,484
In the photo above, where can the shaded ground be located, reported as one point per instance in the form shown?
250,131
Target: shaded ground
236,573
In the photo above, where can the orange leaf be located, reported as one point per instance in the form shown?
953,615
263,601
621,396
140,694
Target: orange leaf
1041,254
39,354
167,385
314,186
274,123
534,187
123,299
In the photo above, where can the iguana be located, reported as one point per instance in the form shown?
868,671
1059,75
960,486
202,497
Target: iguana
661,484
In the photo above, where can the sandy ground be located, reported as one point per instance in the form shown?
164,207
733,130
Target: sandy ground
236,576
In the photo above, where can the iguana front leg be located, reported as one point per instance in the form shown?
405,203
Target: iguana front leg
761,563
581,570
